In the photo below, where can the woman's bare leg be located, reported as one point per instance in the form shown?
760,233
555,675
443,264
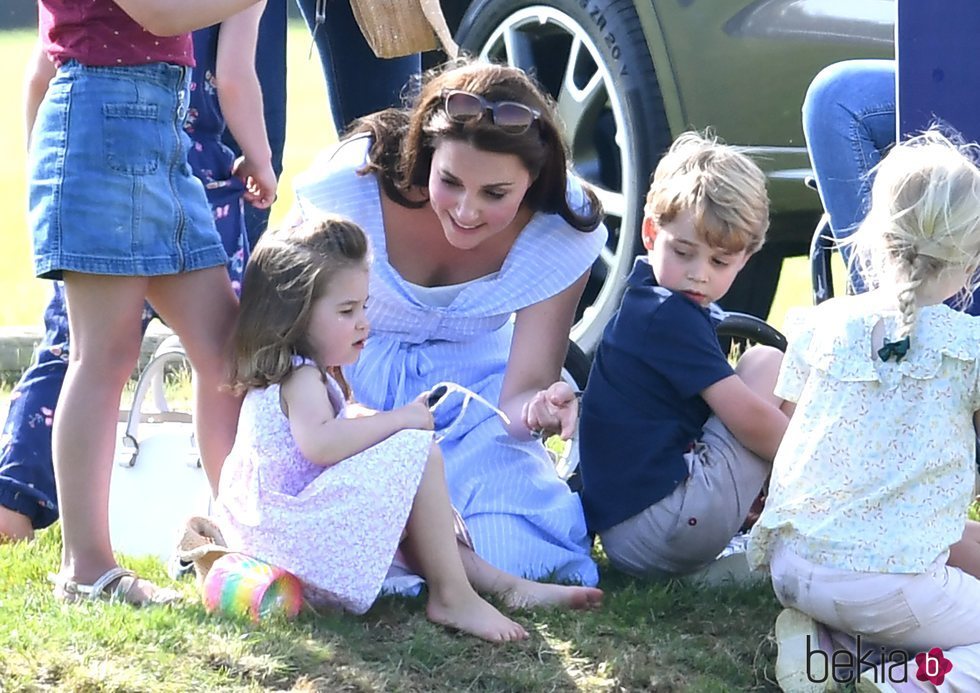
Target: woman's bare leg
432,549
520,593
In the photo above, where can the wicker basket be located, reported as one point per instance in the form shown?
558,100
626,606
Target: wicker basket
401,27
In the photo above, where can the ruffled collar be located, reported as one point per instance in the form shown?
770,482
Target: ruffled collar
837,337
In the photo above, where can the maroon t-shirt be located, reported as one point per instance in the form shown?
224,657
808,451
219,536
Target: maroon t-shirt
99,32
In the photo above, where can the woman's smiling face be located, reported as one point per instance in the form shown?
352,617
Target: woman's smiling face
475,194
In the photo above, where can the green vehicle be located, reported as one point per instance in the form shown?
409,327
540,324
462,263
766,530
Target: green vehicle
629,76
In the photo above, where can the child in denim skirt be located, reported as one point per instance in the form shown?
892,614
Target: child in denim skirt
117,214
27,486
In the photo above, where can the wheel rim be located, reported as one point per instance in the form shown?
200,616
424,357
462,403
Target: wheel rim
566,60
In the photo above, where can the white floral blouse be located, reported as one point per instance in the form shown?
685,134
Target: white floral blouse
876,470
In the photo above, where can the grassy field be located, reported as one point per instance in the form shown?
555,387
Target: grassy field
667,637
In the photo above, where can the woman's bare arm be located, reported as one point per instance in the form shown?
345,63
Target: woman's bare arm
531,395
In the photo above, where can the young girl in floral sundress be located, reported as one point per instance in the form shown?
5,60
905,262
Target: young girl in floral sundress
328,495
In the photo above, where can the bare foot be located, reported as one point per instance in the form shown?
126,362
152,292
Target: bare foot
527,594
473,615
14,526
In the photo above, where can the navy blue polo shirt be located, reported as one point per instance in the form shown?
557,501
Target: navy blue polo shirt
642,408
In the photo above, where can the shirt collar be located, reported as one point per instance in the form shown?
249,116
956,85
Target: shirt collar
642,273
642,276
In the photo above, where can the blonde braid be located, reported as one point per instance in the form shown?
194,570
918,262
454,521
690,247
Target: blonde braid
919,270
923,226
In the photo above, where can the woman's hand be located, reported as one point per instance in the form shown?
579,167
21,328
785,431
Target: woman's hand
552,411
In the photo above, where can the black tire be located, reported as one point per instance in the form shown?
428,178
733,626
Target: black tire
593,60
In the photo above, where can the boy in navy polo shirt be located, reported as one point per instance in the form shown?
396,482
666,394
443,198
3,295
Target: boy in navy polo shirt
675,442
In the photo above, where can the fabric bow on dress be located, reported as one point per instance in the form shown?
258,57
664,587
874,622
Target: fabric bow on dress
896,350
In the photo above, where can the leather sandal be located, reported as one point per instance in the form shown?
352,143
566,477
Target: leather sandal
71,591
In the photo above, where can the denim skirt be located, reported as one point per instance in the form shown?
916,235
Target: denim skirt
110,189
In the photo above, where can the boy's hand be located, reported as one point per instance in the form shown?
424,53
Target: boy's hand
552,411
260,181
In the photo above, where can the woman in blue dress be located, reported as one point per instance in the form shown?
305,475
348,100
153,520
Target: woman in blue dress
482,246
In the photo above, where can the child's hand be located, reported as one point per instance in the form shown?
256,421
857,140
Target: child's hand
260,181
416,414
552,411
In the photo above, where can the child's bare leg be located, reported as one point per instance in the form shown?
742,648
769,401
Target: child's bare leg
965,554
520,593
204,327
431,546
14,526
104,322
758,368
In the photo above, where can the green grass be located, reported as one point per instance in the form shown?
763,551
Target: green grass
664,637
23,294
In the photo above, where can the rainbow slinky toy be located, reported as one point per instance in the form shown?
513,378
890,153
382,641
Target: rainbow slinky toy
239,585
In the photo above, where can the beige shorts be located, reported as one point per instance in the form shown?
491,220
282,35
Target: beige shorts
688,529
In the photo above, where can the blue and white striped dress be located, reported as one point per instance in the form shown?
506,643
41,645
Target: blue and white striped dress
521,516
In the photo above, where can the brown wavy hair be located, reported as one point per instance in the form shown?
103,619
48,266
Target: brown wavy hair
288,271
404,139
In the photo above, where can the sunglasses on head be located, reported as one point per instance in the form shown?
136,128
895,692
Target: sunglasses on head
510,116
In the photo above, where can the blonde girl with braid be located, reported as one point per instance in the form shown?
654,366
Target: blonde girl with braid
865,528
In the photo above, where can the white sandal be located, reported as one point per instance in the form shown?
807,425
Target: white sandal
71,591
